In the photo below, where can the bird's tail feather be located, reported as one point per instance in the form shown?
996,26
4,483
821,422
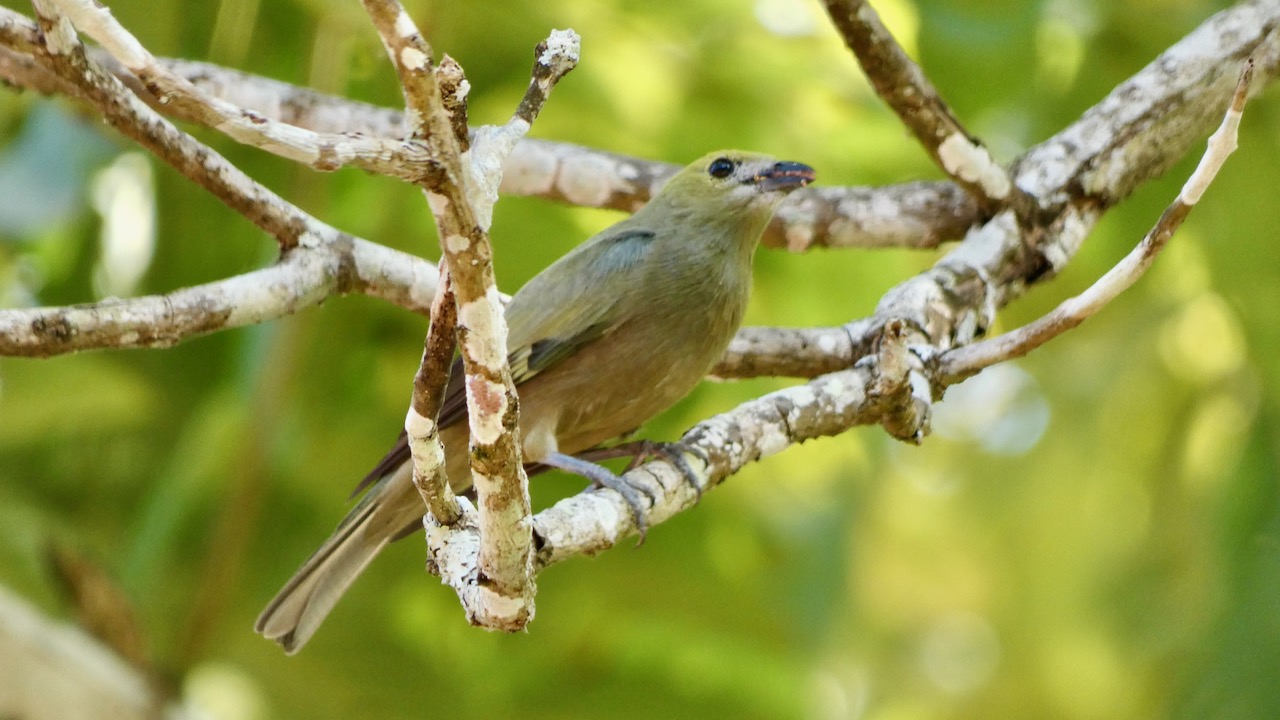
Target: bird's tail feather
295,613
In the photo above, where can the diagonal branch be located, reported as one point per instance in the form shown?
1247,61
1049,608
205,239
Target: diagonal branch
964,362
330,151
903,86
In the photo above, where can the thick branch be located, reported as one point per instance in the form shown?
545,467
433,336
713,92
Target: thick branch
592,521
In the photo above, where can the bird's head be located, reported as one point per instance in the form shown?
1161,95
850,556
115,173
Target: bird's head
734,183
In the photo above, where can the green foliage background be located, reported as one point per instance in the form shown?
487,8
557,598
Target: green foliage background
1091,534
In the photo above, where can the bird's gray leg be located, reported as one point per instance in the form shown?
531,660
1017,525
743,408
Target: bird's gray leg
606,478
641,450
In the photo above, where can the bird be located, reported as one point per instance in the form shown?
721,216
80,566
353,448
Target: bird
610,335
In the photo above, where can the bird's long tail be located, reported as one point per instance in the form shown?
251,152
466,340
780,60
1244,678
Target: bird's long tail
295,613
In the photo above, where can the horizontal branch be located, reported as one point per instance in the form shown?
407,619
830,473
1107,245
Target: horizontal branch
306,276
914,215
796,352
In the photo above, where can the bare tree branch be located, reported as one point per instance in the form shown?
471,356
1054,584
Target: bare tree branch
904,87
915,215
1132,135
304,277
421,426
964,362
318,261
591,522
795,352
327,152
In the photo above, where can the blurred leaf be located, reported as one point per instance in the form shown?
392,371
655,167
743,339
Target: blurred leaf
45,168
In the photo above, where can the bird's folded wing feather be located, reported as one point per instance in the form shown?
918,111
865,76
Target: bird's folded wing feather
564,308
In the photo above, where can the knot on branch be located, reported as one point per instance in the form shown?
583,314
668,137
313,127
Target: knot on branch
899,386
454,89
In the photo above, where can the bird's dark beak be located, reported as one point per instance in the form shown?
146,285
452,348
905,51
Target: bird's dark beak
785,176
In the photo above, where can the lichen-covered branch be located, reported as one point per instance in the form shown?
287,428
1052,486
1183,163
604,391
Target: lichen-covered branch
499,574
593,521
963,362
304,277
317,261
918,215
795,352
388,156
421,427
498,590
904,87
497,472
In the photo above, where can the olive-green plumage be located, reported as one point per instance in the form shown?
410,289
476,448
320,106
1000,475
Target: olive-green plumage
607,337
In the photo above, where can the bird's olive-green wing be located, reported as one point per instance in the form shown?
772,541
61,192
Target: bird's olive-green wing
564,308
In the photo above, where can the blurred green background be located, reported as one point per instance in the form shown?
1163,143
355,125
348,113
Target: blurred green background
1090,533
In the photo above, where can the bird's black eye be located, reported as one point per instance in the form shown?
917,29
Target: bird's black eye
721,167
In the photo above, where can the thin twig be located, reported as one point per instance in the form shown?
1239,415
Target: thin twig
421,426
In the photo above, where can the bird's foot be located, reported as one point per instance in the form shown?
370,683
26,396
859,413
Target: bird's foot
642,450
603,477
672,452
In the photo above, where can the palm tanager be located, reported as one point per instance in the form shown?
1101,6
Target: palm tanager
607,337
